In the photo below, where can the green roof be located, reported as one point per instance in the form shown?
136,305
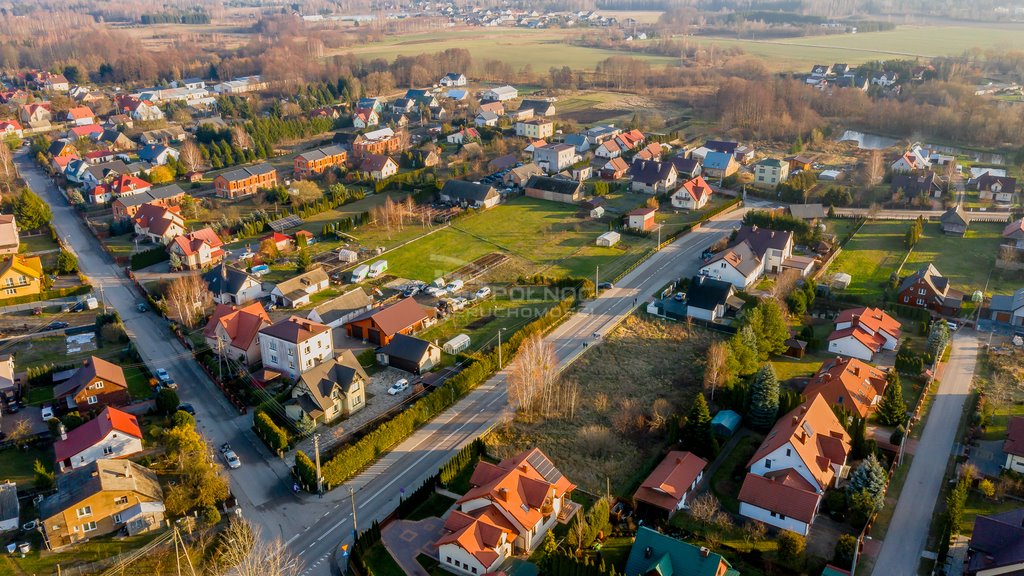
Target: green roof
833,571
653,552
771,162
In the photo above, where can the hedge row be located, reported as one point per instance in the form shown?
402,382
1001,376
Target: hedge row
141,260
274,436
48,295
350,459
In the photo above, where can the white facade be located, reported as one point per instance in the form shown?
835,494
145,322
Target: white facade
779,521
456,559
722,270
116,444
850,346
682,199
702,314
784,457
500,94
890,342
294,359
1014,463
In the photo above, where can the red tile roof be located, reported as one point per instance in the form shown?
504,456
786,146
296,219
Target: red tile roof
394,318
158,219
241,323
786,493
697,188
874,342
12,123
1014,443
872,319
479,533
82,131
80,112
88,434
816,436
670,481
191,243
849,383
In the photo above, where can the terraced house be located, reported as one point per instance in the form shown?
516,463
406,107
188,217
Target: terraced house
313,162
245,181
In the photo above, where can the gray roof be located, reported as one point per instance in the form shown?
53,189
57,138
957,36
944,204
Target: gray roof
150,195
9,507
319,153
468,191
955,216
931,275
236,279
554,185
807,211
347,303
99,476
247,171
300,282
761,239
740,256
342,372
100,171
1008,302
997,541
406,348
650,172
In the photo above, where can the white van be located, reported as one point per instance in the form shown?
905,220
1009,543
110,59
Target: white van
359,273
378,268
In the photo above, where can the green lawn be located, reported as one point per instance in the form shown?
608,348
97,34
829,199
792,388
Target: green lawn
380,562
138,382
995,429
871,257
435,505
840,227
978,505
82,553
509,315
726,482
18,463
436,255
965,261
38,243
786,368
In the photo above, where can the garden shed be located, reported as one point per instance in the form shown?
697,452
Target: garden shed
725,423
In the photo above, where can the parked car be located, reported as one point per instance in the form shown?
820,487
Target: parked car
187,408
482,293
56,326
47,412
605,286
230,458
411,291
165,379
141,307
400,386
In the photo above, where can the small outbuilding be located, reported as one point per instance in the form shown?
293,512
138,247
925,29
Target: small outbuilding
608,239
347,256
726,423
458,344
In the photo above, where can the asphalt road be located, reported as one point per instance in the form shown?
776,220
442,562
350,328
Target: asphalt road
908,530
377,490
262,485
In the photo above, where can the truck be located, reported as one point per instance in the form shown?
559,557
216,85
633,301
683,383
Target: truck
359,273
377,268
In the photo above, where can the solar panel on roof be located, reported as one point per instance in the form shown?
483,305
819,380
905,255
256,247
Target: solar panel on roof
544,467
285,223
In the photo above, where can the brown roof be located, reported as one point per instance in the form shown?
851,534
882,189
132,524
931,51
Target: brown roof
1014,443
815,434
849,383
670,481
340,372
396,317
92,368
295,329
158,219
241,323
315,276
785,493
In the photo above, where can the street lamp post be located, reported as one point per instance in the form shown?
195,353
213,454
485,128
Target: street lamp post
500,330
319,478
352,496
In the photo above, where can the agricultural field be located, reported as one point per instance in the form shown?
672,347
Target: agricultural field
965,261
658,362
908,42
871,257
518,47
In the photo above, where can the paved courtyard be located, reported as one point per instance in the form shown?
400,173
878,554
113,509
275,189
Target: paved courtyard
406,540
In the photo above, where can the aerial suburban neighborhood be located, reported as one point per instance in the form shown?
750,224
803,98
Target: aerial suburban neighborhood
511,288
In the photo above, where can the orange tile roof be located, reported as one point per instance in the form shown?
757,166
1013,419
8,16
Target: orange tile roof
191,243
241,323
88,434
815,434
479,533
670,481
786,493
873,342
697,188
871,319
848,382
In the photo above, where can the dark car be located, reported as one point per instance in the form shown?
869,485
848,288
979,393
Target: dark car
56,326
605,286
187,408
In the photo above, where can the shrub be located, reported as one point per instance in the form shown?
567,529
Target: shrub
275,436
791,547
842,555
167,401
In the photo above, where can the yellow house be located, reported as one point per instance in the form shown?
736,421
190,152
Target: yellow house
20,276
536,129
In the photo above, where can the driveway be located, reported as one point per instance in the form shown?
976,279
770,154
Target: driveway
900,555
406,540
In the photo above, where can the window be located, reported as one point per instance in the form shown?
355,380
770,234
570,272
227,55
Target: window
273,358
767,462
357,401
473,569
920,301
108,450
92,400
789,452
98,385
906,298
84,511
11,291
291,363
89,526
121,500
307,349
272,345
921,291
117,519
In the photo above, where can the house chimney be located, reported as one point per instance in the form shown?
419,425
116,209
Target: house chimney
795,420
63,432
503,494
803,409
704,552
647,552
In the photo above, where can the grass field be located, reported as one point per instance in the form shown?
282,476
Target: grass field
518,47
652,360
907,42
965,261
436,255
872,256
503,314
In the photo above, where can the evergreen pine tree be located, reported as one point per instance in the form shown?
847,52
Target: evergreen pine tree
764,398
892,410
697,436
869,477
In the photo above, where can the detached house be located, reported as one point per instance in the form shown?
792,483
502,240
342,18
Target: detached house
157,154
608,149
469,193
81,116
245,181
990,187
910,161
652,177
928,289
770,172
410,354
365,118
36,114
230,285
655,554
117,187
720,165
232,331
101,498
800,458
159,224
94,386
111,434
199,249
20,276
554,189
766,251
295,345
1013,446
996,544
554,158
380,325
536,128
694,194
863,332
330,390
11,128
453,79
665,490
313,162
849,384
337,311
539,107
127,206
296,291
641,219
378,167
9,240
509,509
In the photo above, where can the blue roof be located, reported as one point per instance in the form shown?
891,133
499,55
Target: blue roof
653,551
577,140
717,160
727,420
457,94
151,152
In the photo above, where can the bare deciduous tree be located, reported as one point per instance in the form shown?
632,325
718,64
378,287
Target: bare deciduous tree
714,365
191,156
704,508
188,300
753,532
243,552
533,379
241,138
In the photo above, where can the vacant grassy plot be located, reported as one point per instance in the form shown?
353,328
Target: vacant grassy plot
94,550
18,462
642,362
903,42
786,368
872,256
436,255
518,47
965,261
482,322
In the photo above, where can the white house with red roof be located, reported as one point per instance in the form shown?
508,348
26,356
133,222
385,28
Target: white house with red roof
509,509
198,249
912,159
11,128
863,332
692,195
111,434
123,185
81,116
803,455
365,118
665,490
159,223
87,131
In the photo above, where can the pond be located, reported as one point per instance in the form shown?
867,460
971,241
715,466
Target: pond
868,141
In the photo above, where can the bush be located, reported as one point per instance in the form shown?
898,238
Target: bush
305,470
167,401
791,547
842,555
275,436
149,257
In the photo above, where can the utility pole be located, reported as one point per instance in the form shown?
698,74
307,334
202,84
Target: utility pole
319,479
500,330
352,496
597,281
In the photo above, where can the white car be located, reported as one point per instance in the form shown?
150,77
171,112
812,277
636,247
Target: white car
399,386
47,413
230,458
482,293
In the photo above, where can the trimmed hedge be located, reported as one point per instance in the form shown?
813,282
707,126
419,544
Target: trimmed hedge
272,434
350,459
47,295
141,260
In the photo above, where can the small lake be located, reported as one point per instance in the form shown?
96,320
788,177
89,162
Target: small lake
868,141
